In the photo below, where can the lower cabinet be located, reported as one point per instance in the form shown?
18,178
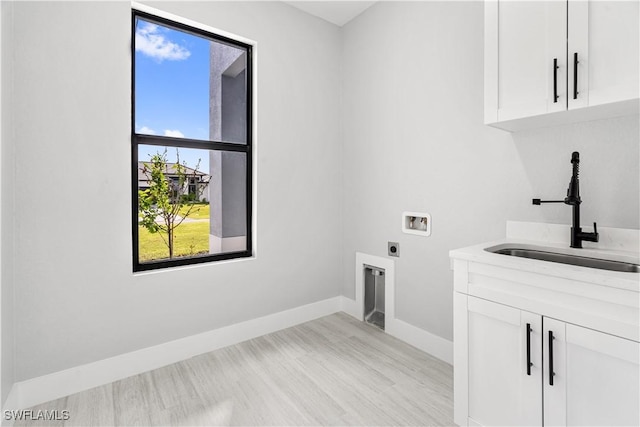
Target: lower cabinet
503,389
589,377
526,369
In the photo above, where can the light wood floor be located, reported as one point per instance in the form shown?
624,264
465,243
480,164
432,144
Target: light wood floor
331,371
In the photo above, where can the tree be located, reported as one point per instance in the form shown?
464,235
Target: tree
160,207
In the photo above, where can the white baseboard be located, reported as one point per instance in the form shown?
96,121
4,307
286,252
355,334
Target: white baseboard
349,306
9,403
429,343
28,393
426,341
53,386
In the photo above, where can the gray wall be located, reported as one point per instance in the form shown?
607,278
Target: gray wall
228,121
234,107
221,58
78,300
6,206
414,140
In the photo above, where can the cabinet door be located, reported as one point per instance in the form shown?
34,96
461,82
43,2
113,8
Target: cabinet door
528,37
502,391
596,377
604,36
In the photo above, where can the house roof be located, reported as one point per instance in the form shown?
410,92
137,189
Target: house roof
143,179
170,171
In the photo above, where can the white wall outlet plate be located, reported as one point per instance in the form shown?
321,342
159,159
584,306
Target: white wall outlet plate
418,223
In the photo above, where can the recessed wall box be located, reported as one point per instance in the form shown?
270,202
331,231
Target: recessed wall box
418,223
374,296
393,249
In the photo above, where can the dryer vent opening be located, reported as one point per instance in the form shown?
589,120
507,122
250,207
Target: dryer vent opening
374,296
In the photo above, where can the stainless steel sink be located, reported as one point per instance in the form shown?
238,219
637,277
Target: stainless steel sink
545,254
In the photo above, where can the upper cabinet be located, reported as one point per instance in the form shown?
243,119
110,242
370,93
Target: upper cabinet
553,62
603,52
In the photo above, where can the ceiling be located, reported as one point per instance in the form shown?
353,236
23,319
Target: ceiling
336,12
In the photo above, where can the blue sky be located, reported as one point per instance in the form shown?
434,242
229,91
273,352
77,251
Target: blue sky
172,88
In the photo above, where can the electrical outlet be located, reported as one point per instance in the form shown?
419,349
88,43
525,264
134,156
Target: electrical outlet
393,248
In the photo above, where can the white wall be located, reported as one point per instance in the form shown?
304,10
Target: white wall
354,126
77,300
6,206
609,170
414,141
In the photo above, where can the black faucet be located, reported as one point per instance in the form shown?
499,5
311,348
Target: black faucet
573,199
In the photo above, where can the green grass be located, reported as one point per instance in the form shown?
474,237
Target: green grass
199,211
191,238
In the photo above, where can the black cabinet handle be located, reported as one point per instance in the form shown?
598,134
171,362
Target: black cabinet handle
551,373
529,364
575,75
555,80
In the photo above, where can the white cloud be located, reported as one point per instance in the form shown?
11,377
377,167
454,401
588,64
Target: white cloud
146,131
152,43
174,133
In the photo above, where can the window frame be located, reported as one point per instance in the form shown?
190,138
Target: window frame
166,141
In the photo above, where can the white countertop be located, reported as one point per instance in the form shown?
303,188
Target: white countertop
622,248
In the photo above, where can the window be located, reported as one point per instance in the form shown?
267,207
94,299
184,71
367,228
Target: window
191,144
193,187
